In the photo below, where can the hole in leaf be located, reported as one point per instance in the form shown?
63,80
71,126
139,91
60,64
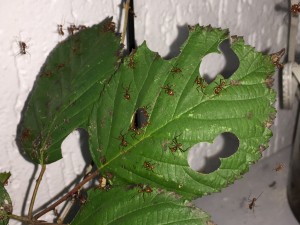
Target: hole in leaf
140,118
225,64
205,157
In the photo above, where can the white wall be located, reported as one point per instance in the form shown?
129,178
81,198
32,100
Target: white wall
260,22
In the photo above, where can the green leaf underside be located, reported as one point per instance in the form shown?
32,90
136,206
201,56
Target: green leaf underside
243,107
65,90
121,206
5,205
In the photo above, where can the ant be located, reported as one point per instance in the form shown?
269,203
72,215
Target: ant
25,134
168,90
71,29
121,137
110,26
60,30
22,46
131,63
104,184
60,66
127,95
252,202
145,189
219,86
279,167
275,57
134,129
81,27
176,145
200,82
148,165
144,111
176,70
295,9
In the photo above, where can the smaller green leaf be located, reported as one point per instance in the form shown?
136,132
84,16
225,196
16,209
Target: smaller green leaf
4,177
5,204
138,205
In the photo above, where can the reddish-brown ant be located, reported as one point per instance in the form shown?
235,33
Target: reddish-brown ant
71,29
145,189
47,74
25,134
110,26
81,27
123,143
295,9
144,111
60,30
279,167
200,82
148,165
126,94
168,90
275,57
131,63
60,66
219,86
252,202
176,145
175,70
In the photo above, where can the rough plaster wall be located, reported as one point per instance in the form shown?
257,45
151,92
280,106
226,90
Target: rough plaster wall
157,22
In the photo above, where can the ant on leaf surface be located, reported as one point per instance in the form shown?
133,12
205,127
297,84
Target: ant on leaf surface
168,90
175,145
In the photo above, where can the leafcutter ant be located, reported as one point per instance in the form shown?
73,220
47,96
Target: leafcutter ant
72,29
131,63
110,26
60,30
295,9
148,166
81,27
168,90
175,145
123,143
176,70
145,189
22,47
201,83
252,202
126,94
275,57
219,86
25,134
144,111
279,167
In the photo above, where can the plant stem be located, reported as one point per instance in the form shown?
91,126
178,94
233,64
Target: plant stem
19,218
66,196
126,7
38,182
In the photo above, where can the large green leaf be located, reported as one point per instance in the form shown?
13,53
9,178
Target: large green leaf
5,203
124,206
66,88
181,115
80,86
